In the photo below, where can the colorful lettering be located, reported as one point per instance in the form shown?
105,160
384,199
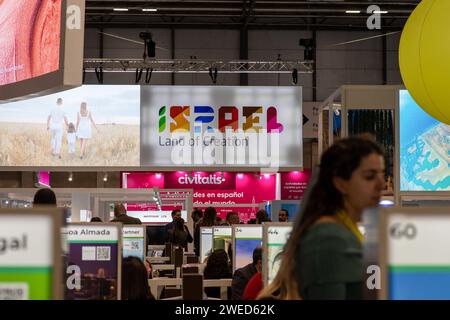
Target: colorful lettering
251,119
272,124
198,122
181,117
228,117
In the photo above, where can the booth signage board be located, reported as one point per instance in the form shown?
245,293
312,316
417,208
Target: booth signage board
294,184
276,236
222,238
245,239
152,216
30,254
221,126
134,241
424,149
414,256
206,242
247,189
94,251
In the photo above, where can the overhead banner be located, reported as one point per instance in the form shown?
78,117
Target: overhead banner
222,190
221,126
94,261
30,254
294,184
90,126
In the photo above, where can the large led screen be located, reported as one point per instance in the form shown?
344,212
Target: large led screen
30,32
424,149
87,126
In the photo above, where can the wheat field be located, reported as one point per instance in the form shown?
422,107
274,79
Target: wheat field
24,144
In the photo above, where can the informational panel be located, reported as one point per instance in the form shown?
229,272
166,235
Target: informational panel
94,263
222,238
94,125
133,240
189,126
276,236
40,47
294,184
424,149
148,216
206,242
246,238
30,254
417,259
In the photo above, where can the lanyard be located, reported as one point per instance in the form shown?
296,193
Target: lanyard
345,219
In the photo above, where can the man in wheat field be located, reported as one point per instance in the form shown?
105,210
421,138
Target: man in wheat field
55,123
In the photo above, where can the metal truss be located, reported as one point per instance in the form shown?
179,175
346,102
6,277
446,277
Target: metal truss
197,66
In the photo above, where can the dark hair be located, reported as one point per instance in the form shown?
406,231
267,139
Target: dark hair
261,216
197,212
285,210
340,160
135,280
59,101
119,209
217,266
44,196
230,214
174,212
257,255
209,217
96,219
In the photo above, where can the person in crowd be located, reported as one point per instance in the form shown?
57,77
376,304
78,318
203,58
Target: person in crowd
261,216
55,124
135,280
96,219
253,287
208,220
196,215
219,221
232,218
84,131
217,267
44,197
176,214
71,138
283,215
251,221
120,215
317,263
149,268
242,276
179,235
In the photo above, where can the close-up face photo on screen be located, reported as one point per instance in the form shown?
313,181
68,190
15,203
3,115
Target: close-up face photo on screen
30,32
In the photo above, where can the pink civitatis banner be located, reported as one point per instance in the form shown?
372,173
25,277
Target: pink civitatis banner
294,184
216,189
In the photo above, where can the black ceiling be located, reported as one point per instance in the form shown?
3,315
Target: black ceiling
251,14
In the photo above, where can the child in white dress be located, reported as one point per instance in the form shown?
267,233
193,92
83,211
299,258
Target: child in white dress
71,138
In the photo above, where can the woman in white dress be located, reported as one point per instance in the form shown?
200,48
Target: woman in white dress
84,131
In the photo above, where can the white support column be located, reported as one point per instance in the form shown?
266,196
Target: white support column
80,201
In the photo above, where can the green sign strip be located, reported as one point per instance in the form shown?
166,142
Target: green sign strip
94,241
39,280
419,268
133,237
276,244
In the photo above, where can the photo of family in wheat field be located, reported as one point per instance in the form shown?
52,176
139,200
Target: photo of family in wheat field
93,125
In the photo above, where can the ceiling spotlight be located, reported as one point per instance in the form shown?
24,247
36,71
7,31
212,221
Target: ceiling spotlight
149,9
352,11
120,9
105,177
70,177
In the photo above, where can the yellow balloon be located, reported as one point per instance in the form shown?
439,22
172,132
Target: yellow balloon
424,57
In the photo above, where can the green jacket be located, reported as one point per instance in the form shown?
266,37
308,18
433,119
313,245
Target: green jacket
329,263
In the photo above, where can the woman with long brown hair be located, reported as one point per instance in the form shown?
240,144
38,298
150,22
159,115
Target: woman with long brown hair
323,256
